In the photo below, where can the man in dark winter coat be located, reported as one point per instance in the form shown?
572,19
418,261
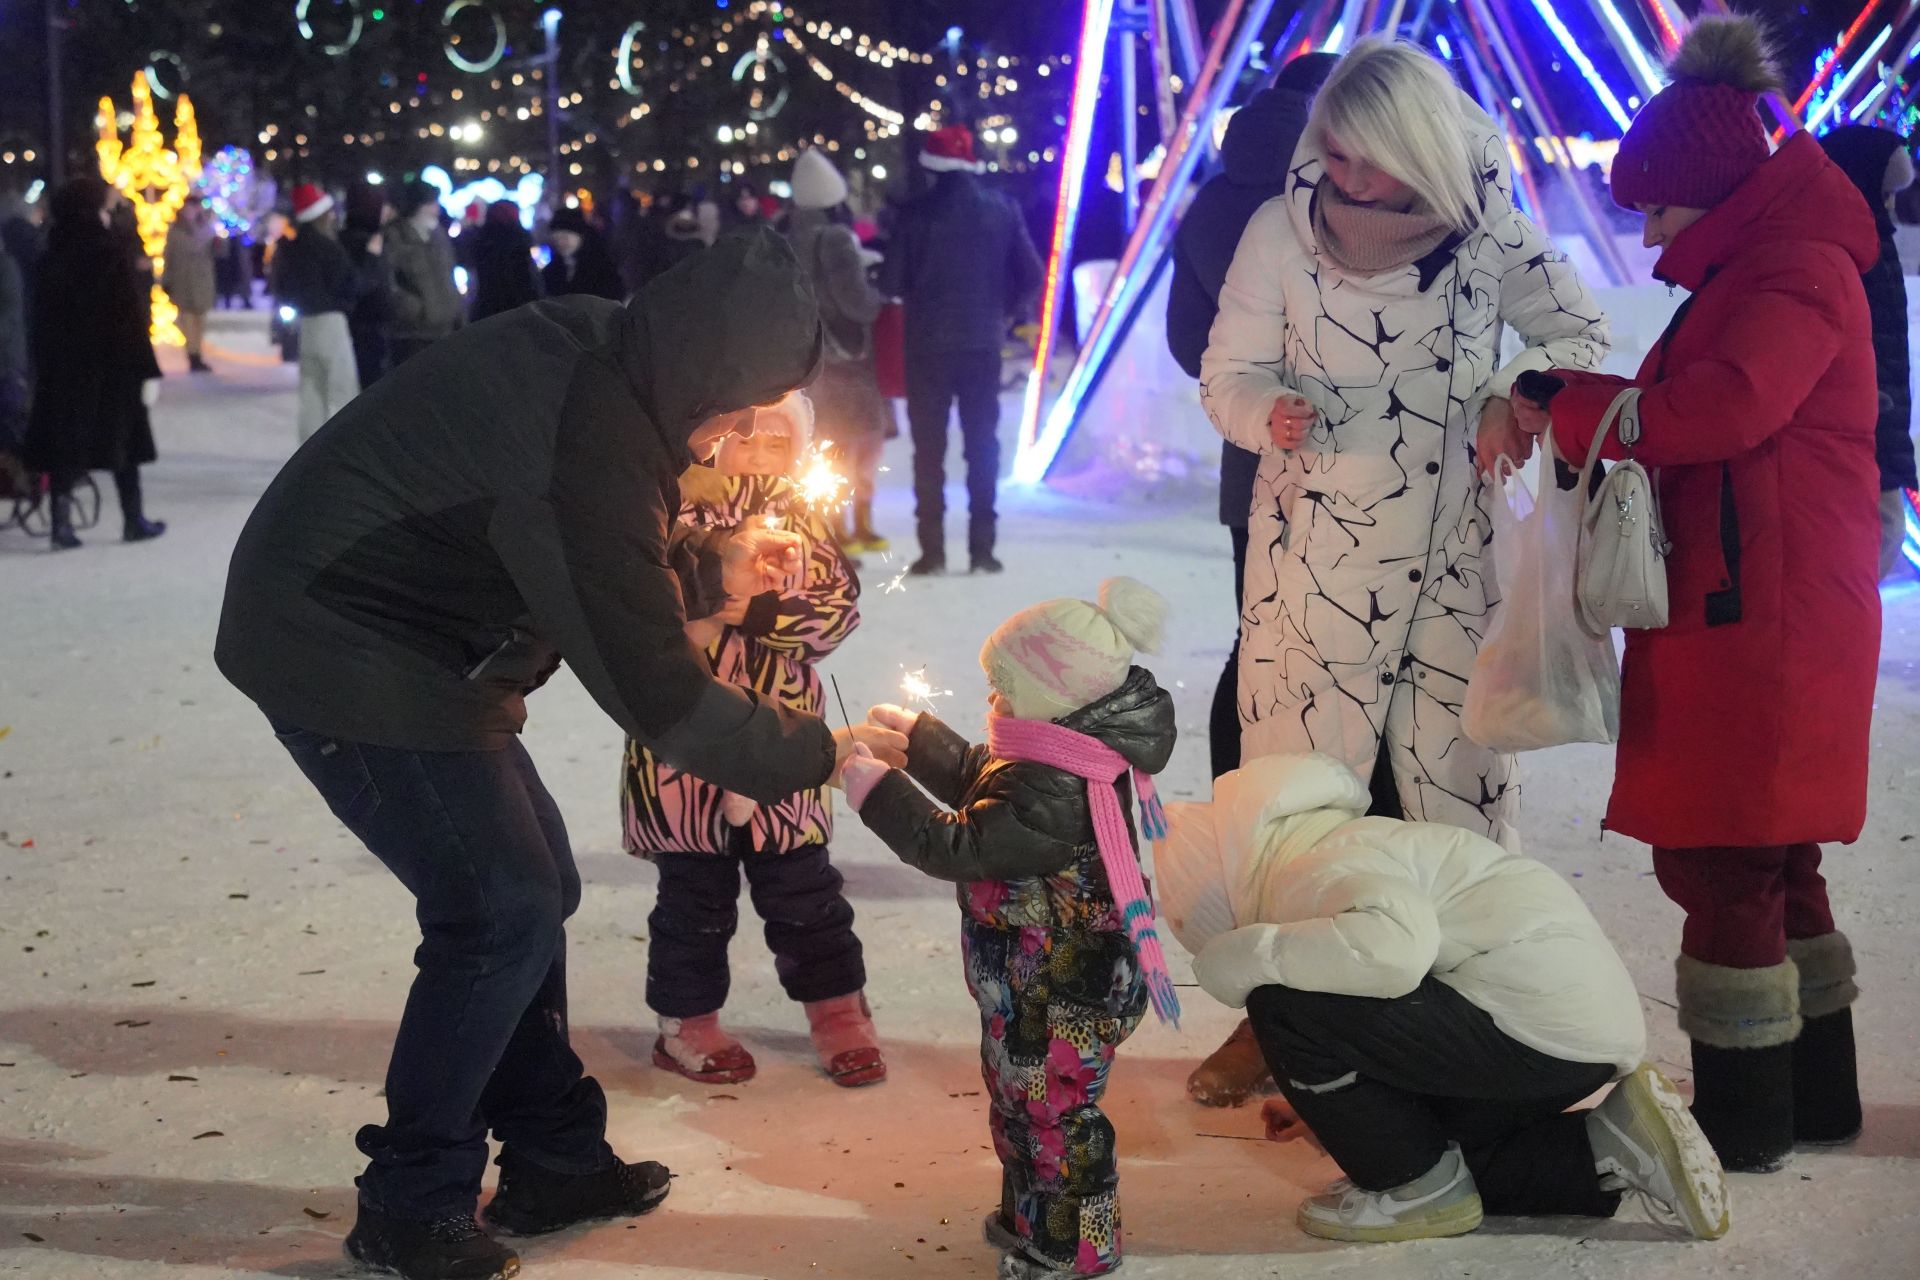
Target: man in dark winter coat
502,502
426,303
1878,163
1256,154
581,262
504,274
370,321
963,263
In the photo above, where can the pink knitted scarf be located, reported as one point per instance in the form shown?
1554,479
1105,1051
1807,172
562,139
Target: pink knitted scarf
1043,742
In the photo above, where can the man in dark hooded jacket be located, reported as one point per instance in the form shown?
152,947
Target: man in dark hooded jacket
1878,162
502,502
1256,154
1259,146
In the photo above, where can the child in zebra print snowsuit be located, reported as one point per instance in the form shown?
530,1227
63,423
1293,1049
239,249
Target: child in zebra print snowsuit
702,838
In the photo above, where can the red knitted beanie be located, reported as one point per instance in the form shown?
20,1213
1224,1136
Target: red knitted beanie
1701,136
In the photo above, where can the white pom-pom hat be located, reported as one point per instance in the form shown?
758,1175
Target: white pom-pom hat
1055,658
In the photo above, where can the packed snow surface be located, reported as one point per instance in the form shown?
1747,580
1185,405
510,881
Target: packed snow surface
203,971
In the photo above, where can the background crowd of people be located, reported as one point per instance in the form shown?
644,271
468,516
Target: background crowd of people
362,280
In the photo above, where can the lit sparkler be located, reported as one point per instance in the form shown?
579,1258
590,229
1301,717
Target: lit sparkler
919,689
820,488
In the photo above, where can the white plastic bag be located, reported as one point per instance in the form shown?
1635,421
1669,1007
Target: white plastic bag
1540,680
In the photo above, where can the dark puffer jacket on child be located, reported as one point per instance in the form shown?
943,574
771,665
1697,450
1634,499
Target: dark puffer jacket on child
1047,955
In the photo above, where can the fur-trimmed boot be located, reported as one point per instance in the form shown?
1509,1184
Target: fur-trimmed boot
700,1049
1743,1023
844,1040
1826,1079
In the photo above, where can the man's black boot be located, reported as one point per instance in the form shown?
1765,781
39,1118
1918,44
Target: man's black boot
533,1200
449,1248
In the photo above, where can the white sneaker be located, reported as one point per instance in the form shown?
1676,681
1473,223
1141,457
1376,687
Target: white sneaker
1440,1202
1646,1140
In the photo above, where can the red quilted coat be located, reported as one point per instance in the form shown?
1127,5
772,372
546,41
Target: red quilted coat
1744,721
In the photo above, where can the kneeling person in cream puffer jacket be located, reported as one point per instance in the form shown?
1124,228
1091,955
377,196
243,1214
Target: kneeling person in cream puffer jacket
1430,1005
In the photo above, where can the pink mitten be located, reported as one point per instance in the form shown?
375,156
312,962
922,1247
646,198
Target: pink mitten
737,809
860,775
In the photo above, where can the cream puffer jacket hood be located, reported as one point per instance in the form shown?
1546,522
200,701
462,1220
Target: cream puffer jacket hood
1281,880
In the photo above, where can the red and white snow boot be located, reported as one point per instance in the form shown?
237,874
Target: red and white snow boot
844,1039
699,1049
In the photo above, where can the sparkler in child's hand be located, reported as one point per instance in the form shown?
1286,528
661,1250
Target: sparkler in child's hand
918,689
820,488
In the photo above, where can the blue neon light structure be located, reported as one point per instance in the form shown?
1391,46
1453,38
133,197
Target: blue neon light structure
1547,15
1126,291
1089,63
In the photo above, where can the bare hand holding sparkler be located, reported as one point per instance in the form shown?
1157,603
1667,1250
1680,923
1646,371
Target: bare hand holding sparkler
760,559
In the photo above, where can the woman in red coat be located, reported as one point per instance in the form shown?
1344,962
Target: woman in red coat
1744,721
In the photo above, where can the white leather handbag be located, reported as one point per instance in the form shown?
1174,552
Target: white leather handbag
1620,570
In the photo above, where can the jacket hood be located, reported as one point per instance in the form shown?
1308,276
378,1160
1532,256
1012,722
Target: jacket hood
1136,720
733,326
1212,868
1261,138
1796,195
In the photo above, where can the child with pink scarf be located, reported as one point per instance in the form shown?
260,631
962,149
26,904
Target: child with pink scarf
1057,931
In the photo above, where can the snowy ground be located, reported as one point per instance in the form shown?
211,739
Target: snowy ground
203,971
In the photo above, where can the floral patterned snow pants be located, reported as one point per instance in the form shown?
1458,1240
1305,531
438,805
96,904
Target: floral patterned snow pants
1054,1005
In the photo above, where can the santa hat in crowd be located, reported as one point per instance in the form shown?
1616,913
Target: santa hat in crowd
950,149
1055,658
310,202
816,183
1701,136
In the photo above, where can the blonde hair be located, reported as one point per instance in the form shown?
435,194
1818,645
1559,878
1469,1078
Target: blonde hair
1395,106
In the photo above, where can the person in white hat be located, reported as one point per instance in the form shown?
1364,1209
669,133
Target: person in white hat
1431,1005
313,274
1058,938
852,414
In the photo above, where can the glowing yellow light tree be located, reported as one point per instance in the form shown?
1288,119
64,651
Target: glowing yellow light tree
156,179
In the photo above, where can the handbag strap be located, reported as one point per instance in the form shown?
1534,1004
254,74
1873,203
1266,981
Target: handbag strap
1623,417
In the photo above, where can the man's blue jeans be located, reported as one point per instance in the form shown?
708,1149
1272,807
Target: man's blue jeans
482,1045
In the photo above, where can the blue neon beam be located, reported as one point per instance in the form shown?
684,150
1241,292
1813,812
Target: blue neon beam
1867,103
1652,80
1547,15
1090,63
1911,547
1838,93
1126,292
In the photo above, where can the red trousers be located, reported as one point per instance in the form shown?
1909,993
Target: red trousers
1743,904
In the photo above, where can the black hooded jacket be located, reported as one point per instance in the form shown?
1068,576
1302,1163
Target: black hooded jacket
1258,148
1863,153
1012,820
505,500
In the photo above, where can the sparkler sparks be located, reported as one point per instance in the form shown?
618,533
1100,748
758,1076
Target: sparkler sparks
919,689
820,488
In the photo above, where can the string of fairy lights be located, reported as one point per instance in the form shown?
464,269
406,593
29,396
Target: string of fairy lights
751,45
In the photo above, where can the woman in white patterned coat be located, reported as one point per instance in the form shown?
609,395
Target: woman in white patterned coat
1356,349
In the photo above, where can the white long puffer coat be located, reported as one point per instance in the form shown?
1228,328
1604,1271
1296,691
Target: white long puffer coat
1298,889
1367,594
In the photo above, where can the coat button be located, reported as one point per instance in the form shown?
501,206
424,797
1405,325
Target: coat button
1433,468
1413,575
1386,677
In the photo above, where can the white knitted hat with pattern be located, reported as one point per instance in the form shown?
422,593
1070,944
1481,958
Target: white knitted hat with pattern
1053,659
